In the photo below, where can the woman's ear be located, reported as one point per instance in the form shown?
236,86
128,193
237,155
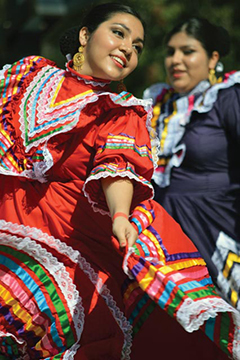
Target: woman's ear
214,59
83,36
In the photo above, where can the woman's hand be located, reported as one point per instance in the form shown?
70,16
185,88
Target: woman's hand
124,232
119,193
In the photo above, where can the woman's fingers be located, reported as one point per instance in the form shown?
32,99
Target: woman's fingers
124,231
132,237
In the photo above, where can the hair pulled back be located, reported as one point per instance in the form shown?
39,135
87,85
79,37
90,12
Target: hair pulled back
212,37
69,41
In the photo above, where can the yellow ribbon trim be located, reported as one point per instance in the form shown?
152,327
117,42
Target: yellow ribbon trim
166,121
234,297
144,283
53,104
20,312
156,243
187,264
6,135
146,212
231,259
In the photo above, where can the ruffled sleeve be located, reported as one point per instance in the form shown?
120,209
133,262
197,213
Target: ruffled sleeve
123,149
229,110
14,80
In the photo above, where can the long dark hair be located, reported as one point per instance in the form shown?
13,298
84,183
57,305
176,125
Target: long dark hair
69,41
212,37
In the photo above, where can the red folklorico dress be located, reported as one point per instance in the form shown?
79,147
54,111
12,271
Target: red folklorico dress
66,289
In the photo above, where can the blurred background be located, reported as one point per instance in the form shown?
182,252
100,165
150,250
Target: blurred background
33,27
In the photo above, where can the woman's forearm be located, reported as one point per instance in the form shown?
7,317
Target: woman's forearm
118,193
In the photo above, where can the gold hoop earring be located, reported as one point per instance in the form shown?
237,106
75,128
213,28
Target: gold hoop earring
212,77
121,87
78,59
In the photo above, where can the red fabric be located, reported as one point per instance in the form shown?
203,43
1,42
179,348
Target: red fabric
60,209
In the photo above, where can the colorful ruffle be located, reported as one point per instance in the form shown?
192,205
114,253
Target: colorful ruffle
40,305
226,257
93,189
172,112
178,282
35,82
41,312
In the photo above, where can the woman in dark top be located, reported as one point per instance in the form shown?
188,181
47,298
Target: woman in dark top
197,119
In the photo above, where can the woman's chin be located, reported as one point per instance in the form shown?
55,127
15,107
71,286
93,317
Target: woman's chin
181,89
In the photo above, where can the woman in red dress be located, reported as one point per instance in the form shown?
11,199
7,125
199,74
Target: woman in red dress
90,266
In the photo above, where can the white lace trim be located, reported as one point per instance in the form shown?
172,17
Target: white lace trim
3,334
88,81
125,263
91,82
57,270
111,303
77,102
176,126
154,90
224,244
236,341
104,175
147,105
76,257
191,317
47,113
40,168
70,353
192,314
212,93
2,71
36,234
42,113
209,93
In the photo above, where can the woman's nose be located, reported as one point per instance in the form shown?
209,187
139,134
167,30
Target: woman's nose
176,57
126,48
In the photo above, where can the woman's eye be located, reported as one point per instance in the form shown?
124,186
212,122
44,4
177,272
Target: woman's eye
118,33
138,48
188,51
169,52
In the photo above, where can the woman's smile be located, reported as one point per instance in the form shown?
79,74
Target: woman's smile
119,61
111,52
187,62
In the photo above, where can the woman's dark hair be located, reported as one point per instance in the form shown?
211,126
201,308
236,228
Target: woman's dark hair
212,37
69,42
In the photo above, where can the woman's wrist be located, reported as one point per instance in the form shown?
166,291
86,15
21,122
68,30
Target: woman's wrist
118,214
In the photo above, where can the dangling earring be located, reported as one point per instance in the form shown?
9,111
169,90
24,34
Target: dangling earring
78,59
212,77
219,67
121,87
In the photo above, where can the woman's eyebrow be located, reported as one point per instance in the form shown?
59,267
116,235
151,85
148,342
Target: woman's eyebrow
180,47
124,26
129,30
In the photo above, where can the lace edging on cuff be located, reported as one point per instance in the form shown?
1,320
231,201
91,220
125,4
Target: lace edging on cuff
105,175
